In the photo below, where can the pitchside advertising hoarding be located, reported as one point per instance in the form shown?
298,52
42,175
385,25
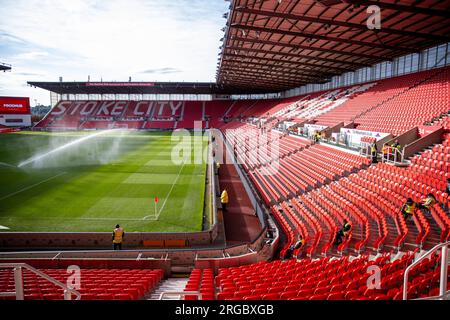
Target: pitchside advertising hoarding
15,111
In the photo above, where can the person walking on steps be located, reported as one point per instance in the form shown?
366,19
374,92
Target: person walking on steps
297,245
224,200
344,232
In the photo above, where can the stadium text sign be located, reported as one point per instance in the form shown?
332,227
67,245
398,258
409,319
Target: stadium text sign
118,108
120,84
14,105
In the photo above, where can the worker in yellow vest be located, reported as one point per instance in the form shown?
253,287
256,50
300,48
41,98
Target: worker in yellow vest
374,152
224,200
117,237
344,232
427,203
218,167
408,208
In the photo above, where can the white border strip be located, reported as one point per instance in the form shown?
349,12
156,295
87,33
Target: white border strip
167,197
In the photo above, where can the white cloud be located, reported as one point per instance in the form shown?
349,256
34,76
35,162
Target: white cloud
111,39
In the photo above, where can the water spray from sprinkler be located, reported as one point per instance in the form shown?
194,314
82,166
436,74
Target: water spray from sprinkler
66,146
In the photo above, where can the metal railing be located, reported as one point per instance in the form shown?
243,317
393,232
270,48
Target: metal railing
181,294
444,270
394,155
18,282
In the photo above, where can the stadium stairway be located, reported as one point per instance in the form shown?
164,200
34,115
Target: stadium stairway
241,223
169,285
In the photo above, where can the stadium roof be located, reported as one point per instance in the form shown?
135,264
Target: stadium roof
141,88
275,45
5,67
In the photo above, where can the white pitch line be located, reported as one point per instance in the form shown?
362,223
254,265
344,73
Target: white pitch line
108,219
4,228
168,195
32,186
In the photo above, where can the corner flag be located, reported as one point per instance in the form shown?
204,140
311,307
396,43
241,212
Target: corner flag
156,203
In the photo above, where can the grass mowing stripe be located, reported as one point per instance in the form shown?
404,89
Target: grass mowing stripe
32,186
168,195
99,190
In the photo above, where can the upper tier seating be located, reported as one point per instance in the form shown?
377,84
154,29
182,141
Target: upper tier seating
96,284
282,166
427,98
309,107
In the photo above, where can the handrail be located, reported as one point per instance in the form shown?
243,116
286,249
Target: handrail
181,294
444,269
435,297
18,281
398,156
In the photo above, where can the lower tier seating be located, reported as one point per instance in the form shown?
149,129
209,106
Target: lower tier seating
96,284
329,279
203,281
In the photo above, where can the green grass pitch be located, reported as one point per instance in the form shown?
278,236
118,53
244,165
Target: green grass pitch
91,186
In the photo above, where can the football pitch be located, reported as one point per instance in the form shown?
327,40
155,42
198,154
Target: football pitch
77,182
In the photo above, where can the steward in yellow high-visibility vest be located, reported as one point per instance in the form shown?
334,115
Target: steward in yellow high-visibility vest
117,238
374,152
347,228
344,232
427,203
408,208
224,200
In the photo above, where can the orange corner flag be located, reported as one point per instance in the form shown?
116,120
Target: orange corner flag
156,200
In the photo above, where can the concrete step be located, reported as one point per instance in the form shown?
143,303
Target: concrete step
169,285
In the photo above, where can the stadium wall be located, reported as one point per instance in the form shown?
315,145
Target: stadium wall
87,240
258,250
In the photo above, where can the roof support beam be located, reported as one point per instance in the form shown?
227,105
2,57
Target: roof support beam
298,63
302,47
269,86
326,38
272,71
276,67
262,72
331,22
260,77
295,55
263,66
243,84
400,7
271,82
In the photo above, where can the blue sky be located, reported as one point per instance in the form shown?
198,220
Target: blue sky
149,40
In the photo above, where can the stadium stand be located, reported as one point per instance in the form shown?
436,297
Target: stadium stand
327,278
96,284
309,187
201,280
398,104
425,95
